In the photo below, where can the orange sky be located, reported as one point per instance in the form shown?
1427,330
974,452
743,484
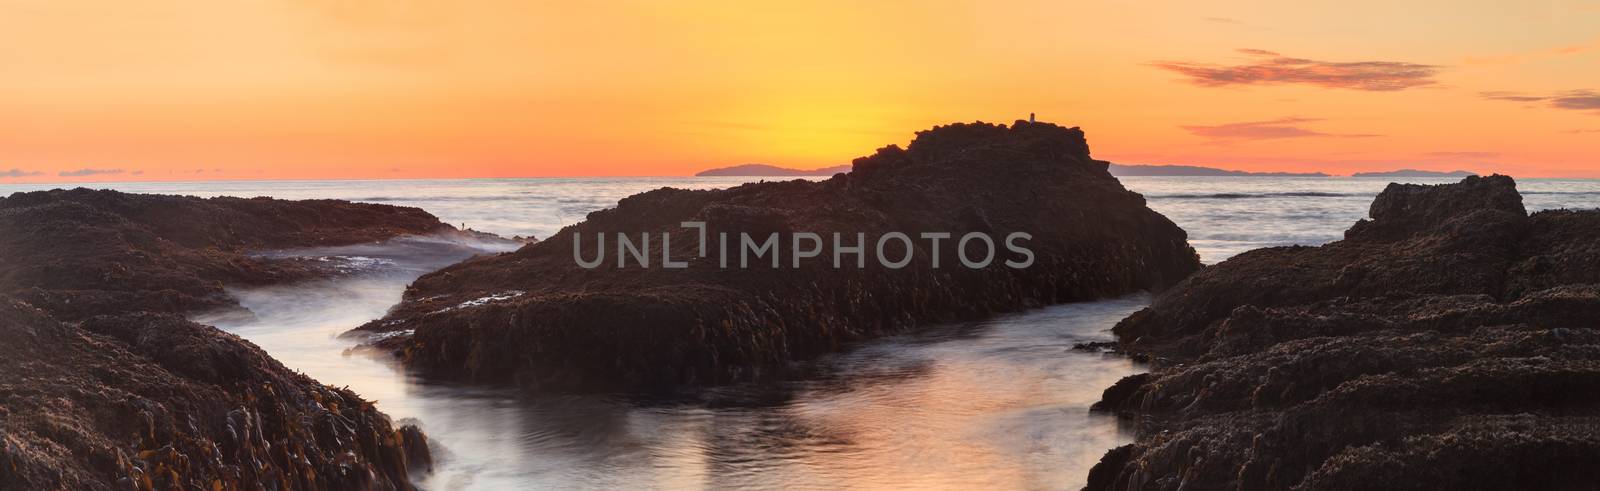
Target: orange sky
258,89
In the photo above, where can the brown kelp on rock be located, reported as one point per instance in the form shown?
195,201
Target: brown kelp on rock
152,401
104,386
537,318
1450,342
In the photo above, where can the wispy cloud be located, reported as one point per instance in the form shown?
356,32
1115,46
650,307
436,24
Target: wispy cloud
1527,56
1256,52
1572,100
1271,68
1577,100
1503,95
1221,20
1266,130
19,173
89,172
1572,50
1468,155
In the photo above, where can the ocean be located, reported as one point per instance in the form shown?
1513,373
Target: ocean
1223,215
999,404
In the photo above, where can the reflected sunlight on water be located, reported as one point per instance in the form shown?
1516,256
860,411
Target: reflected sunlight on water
1002,403
997,404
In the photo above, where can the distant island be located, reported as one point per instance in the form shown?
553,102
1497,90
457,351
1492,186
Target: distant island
1416,173
771,170
1193,170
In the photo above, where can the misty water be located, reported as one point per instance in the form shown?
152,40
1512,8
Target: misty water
1000,404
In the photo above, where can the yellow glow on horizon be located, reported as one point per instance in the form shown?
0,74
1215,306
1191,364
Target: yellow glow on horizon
186,89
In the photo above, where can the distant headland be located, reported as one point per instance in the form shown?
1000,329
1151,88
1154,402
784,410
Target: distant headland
771,170
1416,173
1194,170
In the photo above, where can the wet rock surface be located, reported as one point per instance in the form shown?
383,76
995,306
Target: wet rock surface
82,252
152,401
538,319
1450,342
104,386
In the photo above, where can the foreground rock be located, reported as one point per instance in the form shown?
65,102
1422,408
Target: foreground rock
151,401
104,386
537,318
1450,342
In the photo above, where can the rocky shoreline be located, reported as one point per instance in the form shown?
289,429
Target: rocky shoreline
1451,341
537,319
104,385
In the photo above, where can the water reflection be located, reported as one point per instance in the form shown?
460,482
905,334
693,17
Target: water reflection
998,404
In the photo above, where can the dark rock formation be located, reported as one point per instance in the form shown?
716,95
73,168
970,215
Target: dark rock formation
127,395
151,401
1450,342
84,252
535,317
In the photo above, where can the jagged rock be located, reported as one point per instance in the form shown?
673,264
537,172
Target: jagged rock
151,401
537,318
1453,341
129,395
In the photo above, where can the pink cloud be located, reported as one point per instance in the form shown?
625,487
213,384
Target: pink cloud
1270,68
19,173
1515,58
1572,100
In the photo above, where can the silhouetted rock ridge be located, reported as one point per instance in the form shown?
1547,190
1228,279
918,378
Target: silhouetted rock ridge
537,318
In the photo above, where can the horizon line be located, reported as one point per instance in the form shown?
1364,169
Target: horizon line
1305,175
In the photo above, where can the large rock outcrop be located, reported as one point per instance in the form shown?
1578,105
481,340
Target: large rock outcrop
535,317
1450,342
104,386
152,401
85,252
